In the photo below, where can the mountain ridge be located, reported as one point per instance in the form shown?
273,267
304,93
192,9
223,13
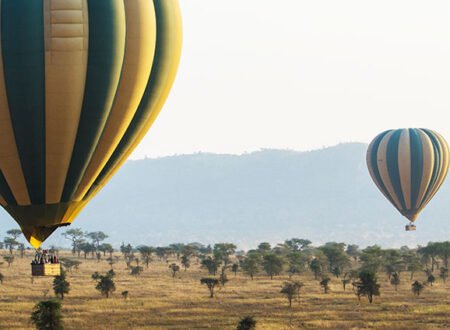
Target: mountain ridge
269,195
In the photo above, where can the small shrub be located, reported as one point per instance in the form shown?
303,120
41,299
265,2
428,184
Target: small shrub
136,270
246,323
60,285
417,288
324,283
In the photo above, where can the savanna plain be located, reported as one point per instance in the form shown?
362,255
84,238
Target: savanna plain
157,300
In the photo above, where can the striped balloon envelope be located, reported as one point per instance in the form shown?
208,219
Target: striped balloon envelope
408,166
81,82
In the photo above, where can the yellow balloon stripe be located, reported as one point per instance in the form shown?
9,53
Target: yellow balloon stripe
427,167
443,167
169,67
140,50
66,47
10,164
384,173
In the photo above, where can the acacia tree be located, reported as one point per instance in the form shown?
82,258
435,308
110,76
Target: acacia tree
324,283
234,269
111,262
97,237
10,243
367,285
297,244
417,288
212,264
395,280
185,261
291,290
105,283
46,315
372,258
337,259
443,250
223,251
250,265
60,285
429,253
174,268
353,251
413,264
431,279
392,262
349,276
223,278
443,273
162,252
76,236
106,248
21,249
264,248
211,283
316,268
146,254
86,248
9,259
14,233
272,264
126,250
297,262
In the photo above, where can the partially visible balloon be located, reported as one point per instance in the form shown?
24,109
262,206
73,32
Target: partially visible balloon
408,166
81,82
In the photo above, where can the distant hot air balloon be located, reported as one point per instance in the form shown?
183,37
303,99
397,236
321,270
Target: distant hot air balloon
81,82
408,166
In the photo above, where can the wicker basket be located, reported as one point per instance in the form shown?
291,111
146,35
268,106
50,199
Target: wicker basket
46,270
410,227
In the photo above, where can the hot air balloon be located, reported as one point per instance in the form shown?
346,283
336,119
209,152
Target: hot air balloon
81,82
408,166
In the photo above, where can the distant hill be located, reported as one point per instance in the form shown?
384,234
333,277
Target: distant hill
270,195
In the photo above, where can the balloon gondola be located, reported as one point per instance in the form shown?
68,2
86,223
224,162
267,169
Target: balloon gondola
46,270
81,82
408,166
410,227
45,264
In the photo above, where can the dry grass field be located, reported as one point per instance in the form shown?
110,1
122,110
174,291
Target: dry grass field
158,301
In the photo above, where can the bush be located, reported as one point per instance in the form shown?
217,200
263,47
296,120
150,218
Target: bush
60,285
105,283
246,323
46,315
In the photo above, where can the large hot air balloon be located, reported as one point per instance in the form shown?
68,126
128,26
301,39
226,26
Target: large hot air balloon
81,82
408,166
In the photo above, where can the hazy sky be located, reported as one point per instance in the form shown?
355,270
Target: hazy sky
304,74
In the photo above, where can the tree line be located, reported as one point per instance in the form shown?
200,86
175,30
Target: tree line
351,265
